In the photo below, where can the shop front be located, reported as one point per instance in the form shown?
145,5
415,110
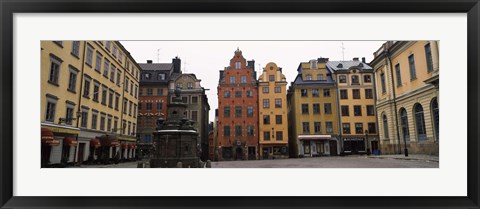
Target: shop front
58,145
317,145
48,141
354,145
274,151
109,150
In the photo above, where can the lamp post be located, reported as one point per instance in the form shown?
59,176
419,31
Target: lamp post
368,147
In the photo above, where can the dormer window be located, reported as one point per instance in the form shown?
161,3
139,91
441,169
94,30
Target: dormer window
340,65
238,65
308,77
313,64
147,75
161,76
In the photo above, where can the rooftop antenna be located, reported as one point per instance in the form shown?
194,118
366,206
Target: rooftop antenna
185,65
343,52
158,55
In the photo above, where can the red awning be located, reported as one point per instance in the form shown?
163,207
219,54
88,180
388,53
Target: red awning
95,143
109,141
48,137
70,141
124,146
130,146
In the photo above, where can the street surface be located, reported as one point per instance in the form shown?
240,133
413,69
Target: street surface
382,161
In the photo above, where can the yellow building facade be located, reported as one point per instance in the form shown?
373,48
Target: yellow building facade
273,123
356,105
89,90
407,79
312,111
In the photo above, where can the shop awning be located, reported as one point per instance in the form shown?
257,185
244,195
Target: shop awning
315,137
109,141
70,141
95,143
48,137
124,146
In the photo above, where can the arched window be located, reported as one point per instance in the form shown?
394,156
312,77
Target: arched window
404,123
420,122
385,127
435,115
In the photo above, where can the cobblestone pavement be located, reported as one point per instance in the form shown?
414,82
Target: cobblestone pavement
334,162
381,161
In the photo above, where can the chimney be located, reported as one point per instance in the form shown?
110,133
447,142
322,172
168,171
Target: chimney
251,64
355,59
322,60
176,64
363,59
149,61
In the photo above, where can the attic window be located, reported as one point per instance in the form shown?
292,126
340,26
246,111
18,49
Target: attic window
339,65
360,65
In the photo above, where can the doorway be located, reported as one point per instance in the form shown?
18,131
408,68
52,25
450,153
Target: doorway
238,153
81,147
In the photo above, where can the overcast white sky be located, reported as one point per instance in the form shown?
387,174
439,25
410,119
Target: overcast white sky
206,58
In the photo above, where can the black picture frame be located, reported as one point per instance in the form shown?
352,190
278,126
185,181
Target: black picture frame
10,7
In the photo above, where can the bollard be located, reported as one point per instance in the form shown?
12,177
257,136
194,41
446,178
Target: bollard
140,165
179,165
209,164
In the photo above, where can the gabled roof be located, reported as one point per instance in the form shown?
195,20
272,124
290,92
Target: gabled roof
345,65
156,66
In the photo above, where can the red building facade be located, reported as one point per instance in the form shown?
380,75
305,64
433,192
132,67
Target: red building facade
238,110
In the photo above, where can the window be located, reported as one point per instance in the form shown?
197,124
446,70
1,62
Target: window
226,130
370,110
344,94
238,130
149,91
120,57
96,89
72,81
54,70
265,89
385,127
89,58
112,73
345,110
102,122
125,101
250,111
357,110
106,65
356,93
278,119
435,112
328,108
266,103
266,119
189,85
76,48
185,100
98,62
107,45
342,79
139,106
372,129
131,88
382,80
279,135
109,123
428,56
194,115
266,135
159,106
359,128
278,90
278,103
232,79
86,87
238,94
313,64
308,77
420,122
159,92
59,43
411,64
304,108
226,111
130,104
355,80
368,93
114,51
50,113
238,65
119,73
315,93
161,76
117,100
249,93
104,95
149,106
367,78
329,127
194,99
404,124
124,126
326,92
110,98
346,128
243,79
303,92
317,126
94,120
226,94
320,77
115,125
316,108
238,111
127,81
129,128
306,127
271,77
250,131
398,74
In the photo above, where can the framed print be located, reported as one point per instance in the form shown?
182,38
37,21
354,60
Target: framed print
315,104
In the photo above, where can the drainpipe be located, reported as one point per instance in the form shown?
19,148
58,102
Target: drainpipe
339,122
395,102
80,97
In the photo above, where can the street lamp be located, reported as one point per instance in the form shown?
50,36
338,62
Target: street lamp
368,147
